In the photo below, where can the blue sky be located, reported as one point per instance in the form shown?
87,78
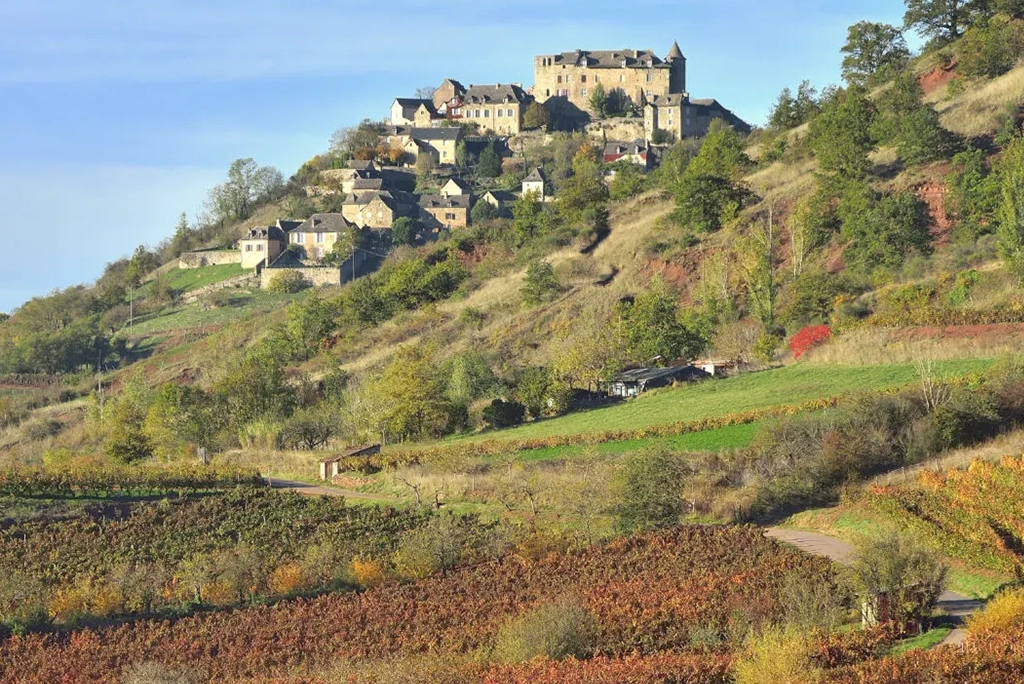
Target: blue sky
117,115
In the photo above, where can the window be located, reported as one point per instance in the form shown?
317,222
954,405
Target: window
487,113
670,122
670,111
444,154
597,79
547,92
583,92
248,248
511,112
559,78
319,252
448,216
319,238
650,77
568,78
622,77
583,78
295,238
476,113
259,247
501,112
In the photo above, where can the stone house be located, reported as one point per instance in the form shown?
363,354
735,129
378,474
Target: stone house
636,152
376,209
288,262
342,181
535,183
441,143
456,186
502,200
449,92
413,112
315,237
679,117
494,108
638,73
440,211
261,246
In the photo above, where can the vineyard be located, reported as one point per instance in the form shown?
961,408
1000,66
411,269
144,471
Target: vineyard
649,594
122,481
121,558
975,514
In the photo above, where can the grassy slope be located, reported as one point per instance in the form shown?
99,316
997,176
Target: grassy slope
242,306
779,387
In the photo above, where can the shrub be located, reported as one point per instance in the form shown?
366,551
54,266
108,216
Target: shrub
807,339
650,490
368,573
288,282
910,576
38,431
1003,614
968,417
778,655
554,631
503,414
154,673
286,579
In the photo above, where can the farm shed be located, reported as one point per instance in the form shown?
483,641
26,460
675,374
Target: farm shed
637,381
329,466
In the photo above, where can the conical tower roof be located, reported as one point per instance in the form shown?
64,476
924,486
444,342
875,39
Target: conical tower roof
675,52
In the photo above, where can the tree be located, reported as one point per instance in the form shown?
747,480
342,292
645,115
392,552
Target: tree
974,191
790,112
349,239
652,327
489,165
873,52
357,143
584,189
247,184
309,323
708,194
484,211
182,239
527,218
425,93
410,395
533,389
628,181
540,283
911,577
1010,234
404,231
598,101
503,414
536,116
126,441
181,415
425,164
650,490
312,427
941,20
757,259
841,136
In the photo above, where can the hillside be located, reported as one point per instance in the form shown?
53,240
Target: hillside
552,435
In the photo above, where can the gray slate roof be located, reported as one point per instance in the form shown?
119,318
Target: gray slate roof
265,233
439,133
613,148
494,94
648,374
611,59
441,202
357,165
462,185
368,184
537,175
324,223
410,105
288,259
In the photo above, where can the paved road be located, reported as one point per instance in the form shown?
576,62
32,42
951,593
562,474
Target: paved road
307,489
953,604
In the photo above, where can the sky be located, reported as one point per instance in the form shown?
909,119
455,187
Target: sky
118,115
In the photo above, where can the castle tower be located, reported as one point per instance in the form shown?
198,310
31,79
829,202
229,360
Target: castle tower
676,60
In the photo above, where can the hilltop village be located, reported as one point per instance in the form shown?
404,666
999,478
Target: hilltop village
418,174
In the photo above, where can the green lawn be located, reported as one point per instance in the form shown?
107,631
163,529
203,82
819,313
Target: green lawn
241,305
188,279
789,385
732,437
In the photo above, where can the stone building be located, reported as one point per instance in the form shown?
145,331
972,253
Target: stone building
676,116
316,236
447,94
413,112
261,246
638,73
535,183
445,211
494,108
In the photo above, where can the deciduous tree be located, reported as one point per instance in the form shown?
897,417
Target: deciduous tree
873,52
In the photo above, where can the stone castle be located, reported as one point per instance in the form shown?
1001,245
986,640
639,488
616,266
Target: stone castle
656,85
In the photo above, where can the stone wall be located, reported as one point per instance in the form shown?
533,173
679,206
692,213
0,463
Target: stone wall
247,280
576,83
318,276
622,129
209,257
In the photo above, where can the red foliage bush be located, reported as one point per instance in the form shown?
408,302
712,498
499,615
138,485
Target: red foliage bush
809,338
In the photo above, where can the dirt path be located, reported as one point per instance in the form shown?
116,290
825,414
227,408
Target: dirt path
951,603
307,489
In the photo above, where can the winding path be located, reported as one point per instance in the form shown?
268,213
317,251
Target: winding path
307,489
951,603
